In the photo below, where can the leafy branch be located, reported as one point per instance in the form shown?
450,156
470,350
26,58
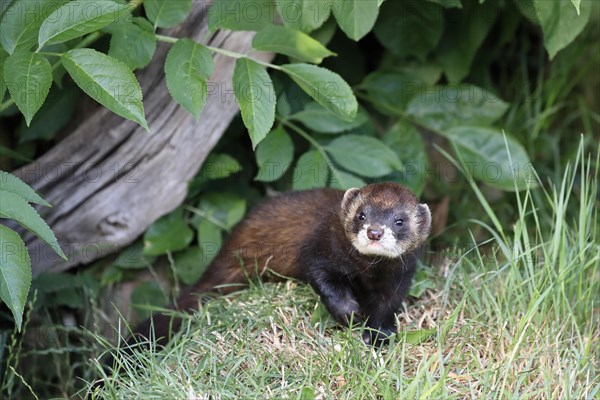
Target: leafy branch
15,269
39,47
86,67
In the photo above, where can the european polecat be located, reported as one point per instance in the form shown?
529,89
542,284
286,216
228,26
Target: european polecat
357,249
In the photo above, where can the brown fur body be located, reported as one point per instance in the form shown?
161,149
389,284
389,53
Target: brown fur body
311,236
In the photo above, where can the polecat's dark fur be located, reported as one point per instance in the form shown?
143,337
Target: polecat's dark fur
357,249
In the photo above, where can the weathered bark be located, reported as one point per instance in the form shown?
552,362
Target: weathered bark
109,179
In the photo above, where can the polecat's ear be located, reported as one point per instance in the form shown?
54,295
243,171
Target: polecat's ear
424,218
349,196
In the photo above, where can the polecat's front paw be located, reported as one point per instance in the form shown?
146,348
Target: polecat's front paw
344,310
378,337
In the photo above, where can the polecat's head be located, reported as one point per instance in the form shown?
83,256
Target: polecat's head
385,219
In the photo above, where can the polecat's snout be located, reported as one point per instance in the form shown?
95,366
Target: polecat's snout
375,232
377,240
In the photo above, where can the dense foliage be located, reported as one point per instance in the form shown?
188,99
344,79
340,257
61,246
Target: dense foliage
468,79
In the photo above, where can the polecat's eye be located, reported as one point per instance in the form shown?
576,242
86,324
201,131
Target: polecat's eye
399,222
361,216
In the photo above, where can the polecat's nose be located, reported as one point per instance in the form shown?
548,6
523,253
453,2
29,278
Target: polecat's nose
375,233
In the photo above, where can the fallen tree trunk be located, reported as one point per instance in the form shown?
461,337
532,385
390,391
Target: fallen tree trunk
110,179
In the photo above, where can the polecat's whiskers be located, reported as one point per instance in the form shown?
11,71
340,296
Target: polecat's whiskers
404,267
375,261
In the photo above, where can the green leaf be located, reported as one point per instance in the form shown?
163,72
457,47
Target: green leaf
54,114
133,257
188,66
227,209
143,23
406,141
356,17
210,238
483,152
132,44
4,6
283,108
390,91
457,48
561,22
326,87
344,181
291,43
296,98
445,106
70,297
3,57
304,15
147,295
88,282
167,13
77,18
274,155
169,233
318,119
189,265
255,94
22,21
219,166
427,73
6,152
15,273
28,77
448,3
241,15
577,4
16,207
12,184
325,33
416,337
311,171
410,27
111,275
363,155
56,289
50,282
108,81
527,8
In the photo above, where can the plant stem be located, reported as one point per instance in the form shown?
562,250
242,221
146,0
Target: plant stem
312,141
208,217
228,53
266,64
89,39
6,104
225,52
50,54
166,39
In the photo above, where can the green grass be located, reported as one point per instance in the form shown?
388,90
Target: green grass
516,318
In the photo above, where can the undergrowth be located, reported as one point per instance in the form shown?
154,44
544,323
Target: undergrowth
514,317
